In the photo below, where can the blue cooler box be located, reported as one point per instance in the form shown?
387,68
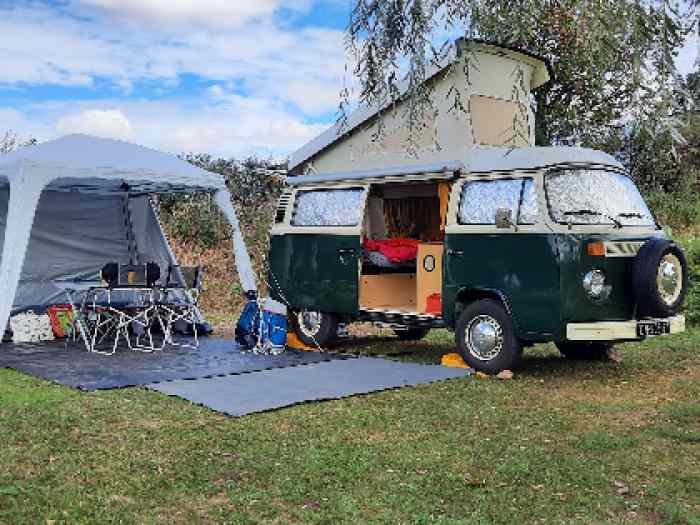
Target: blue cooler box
274,324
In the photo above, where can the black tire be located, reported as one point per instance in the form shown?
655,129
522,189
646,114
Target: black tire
651,301
584,351
313,333
507,352
413,333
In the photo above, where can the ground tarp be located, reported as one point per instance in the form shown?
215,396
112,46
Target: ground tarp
281,387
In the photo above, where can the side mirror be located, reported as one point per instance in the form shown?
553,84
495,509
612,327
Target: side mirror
504,218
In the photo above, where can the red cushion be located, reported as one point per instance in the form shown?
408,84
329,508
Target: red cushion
396,250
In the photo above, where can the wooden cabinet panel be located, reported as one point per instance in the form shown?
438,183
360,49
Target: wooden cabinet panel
429,276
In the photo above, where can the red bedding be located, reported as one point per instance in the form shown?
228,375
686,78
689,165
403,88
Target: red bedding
396,250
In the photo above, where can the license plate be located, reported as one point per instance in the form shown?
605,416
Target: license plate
653,327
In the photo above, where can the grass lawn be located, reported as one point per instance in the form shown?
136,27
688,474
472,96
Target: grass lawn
561,443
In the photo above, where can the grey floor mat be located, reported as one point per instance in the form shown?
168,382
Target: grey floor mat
75,367
244,394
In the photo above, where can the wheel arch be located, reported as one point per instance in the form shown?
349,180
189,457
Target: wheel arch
467,295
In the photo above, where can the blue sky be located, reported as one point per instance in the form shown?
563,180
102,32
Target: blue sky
228,77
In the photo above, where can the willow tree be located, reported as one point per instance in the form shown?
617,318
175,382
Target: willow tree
613,61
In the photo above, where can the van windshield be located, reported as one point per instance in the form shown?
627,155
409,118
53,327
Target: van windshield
595,196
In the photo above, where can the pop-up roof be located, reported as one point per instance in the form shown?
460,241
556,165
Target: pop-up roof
493,84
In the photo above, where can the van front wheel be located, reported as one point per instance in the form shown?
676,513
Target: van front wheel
314,328
486,339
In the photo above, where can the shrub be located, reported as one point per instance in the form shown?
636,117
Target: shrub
691,245
679,210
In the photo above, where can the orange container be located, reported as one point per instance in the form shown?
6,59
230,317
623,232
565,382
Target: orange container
434,304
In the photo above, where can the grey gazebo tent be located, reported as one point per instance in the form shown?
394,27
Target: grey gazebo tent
71,205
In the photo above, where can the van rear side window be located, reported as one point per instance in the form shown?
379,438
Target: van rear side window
329,207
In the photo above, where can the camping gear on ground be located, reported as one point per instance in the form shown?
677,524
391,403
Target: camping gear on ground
151,310
248,326
68,204
273,333
29,327
181,316
62,320
262,326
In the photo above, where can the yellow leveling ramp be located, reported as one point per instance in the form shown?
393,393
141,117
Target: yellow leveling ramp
453,360
294,342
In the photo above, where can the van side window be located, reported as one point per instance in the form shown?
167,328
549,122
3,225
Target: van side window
481,199
328,207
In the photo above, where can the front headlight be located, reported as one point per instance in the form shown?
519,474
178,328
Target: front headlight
594,285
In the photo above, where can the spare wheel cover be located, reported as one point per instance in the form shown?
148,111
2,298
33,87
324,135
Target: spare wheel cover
660,278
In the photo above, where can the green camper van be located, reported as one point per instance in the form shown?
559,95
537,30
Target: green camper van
512,248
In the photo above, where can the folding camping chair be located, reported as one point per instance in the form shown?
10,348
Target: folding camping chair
174,311
106,317
140,314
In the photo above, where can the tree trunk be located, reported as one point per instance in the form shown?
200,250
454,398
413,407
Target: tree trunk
542,137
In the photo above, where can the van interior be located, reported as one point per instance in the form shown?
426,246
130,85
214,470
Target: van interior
402,247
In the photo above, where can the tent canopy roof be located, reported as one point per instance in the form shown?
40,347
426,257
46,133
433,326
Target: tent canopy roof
91,164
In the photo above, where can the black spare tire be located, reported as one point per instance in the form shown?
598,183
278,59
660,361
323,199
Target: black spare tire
660,278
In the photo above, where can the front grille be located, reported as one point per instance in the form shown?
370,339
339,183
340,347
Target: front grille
285,198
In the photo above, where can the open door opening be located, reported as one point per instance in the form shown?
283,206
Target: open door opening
402,248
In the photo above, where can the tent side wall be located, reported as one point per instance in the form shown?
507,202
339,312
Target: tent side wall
4,202
74,235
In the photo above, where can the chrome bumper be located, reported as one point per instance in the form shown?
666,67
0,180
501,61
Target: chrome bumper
615,330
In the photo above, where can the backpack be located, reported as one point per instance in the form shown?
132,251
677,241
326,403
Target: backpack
248,325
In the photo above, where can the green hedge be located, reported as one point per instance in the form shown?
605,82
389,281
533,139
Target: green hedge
691,245
679,210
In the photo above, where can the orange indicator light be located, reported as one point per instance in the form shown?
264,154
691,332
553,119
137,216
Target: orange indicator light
596,249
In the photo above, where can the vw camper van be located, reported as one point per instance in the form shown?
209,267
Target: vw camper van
510,248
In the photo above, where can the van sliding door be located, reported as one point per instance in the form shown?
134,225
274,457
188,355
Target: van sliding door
519,262
317,259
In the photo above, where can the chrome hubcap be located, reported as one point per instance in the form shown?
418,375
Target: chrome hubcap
669,279
484,337
309,322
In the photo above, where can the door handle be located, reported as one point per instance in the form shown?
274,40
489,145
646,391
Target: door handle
346,255
455,253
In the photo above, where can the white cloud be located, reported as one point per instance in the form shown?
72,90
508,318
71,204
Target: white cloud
221,13
216,14
110,123
234,126
266,78
298,66
216,91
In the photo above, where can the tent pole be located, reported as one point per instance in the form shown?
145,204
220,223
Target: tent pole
244,266
24,199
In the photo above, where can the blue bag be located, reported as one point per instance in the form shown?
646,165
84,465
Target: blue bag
248,325
274,329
